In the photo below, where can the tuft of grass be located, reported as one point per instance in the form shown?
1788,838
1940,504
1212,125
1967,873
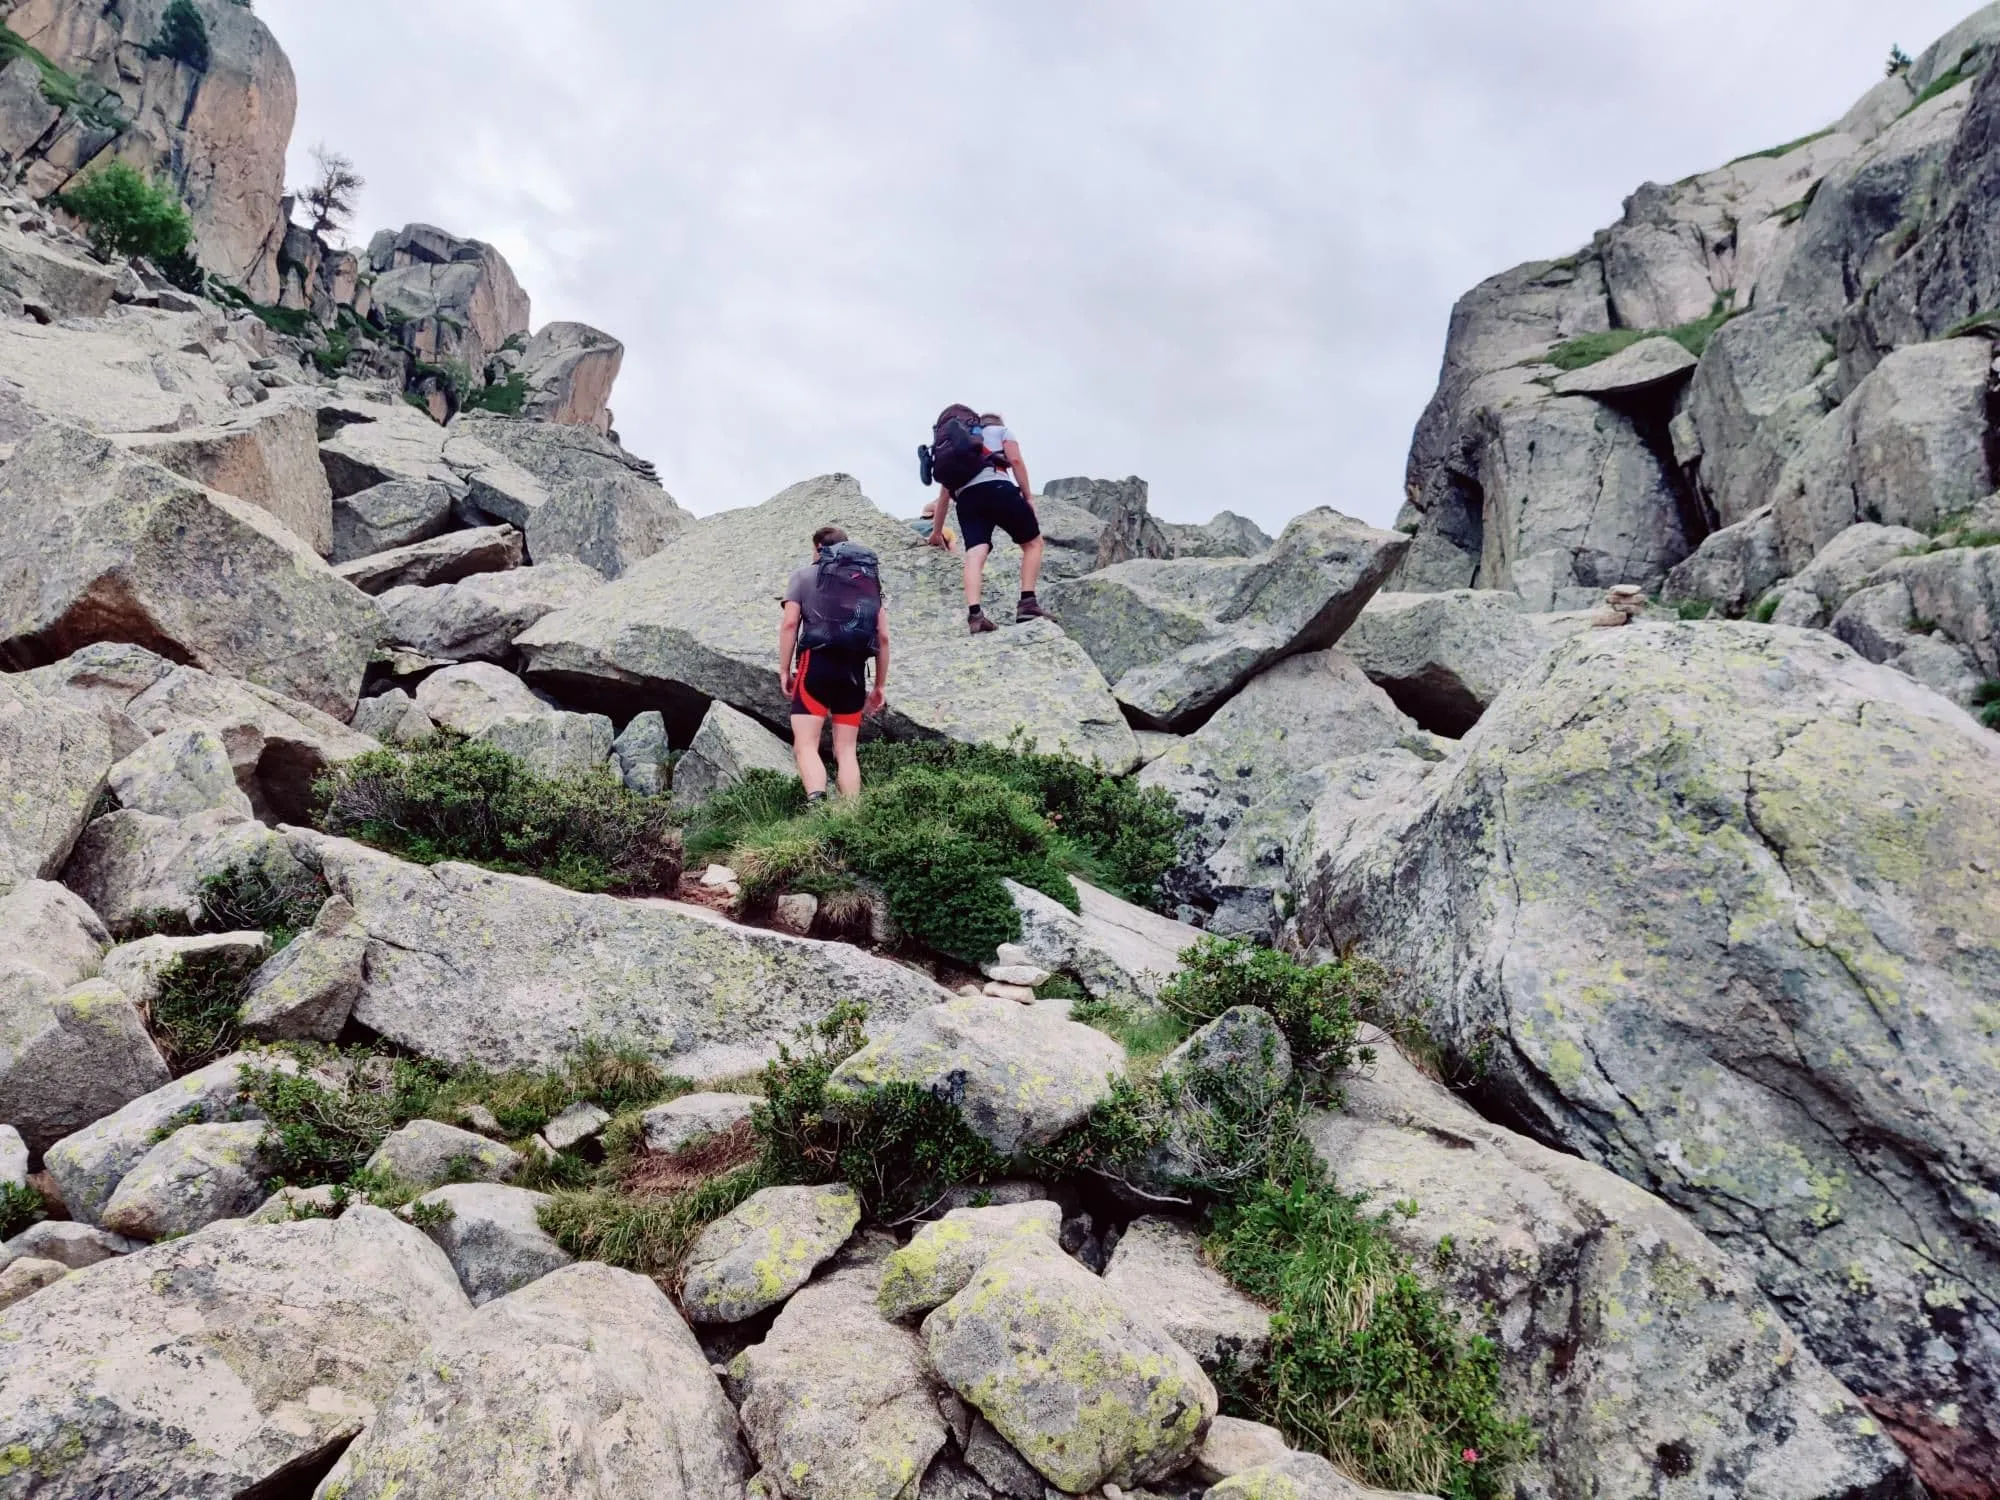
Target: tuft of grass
1594,348
1986,703
1766,607
20,1206
1146,1033
1773,152
506,397
645,1232
448,797
1694,609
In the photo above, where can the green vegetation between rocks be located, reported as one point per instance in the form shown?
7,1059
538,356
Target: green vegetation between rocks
280,901
1986,703
92,103
193,1018
19,1207
448,797
938,827
123,214
506,397
1773,152
1593,348
1945,82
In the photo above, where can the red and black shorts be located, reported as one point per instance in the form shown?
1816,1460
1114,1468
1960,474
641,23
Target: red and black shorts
831,685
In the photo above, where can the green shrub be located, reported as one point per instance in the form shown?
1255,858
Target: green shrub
1110,830
1694,609
452,798
1986,703
1366,1364
183,36
760,799
19,1207
334,357
506,397
645,1232
123,214
1766,607
1318,1007
280,900
523,1101
193,1018
1592,348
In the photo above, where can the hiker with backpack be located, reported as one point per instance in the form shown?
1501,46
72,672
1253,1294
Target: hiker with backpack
833,624
976,462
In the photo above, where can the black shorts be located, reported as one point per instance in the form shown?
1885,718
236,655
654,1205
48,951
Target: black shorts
831,685
991,503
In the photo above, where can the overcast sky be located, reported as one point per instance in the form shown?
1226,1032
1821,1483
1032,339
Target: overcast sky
1214,244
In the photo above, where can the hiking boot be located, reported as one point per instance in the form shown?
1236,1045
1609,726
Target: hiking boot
1030,609
979,625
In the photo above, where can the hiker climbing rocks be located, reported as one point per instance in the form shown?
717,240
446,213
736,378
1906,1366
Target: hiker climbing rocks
833,623
977,462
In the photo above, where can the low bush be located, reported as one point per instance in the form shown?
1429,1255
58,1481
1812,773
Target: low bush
1986,703
123,214
505,397
19,1207
1317,1006
645,1232
280,899
193,1017
1694,609
452,798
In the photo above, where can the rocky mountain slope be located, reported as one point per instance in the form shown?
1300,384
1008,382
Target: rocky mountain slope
1596,875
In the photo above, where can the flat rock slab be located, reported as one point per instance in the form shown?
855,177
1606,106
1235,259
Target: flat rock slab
387,516
582,1386
942,1257
837,1399
1020,1074
478,617
1178,638
694,1118
1300,1476
762,1251
1081,1388
1642,367
437,560
103,545
68,1243
211,1363
1159,1268
474,695
61,750
1114,949
493,1237
468,966
694,622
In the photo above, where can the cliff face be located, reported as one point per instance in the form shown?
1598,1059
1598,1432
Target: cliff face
218,131
1557,458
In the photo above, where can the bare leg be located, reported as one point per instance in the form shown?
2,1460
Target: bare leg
975,573
805,750
847,768
1031,563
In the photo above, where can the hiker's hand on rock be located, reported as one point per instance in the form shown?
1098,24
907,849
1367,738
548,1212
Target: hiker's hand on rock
938,539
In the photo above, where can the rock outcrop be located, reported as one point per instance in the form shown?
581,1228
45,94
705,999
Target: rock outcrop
1716,905
62,753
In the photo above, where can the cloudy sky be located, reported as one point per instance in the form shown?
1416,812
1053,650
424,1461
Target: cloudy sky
1212,242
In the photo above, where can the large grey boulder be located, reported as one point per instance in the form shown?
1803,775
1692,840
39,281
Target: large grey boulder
585,1385
267,457
1301,713
129,864
25,1275
436,561
641,753
1746,887
178,774
1159,1269
1177,639
1082,1388
837,1401
764,1249
1754,398
1843,567
61,751
1957,590
1640,1353
1907,448
393,718
694,1118
379,439
696,621
1640,367
13,1158
71,1056
569,369
385,516
470,696
197,1175
1115,950
428,1153
104,545
1020,1074
1732,568
478,617
89,1164
727,747
944,1255
49,940
211,1364
493,1237
1443,657
552,742
277,746
468,966
587,499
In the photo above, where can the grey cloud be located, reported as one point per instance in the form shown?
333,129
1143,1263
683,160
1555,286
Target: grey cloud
1215,244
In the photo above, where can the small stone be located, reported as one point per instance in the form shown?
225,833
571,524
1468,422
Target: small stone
795,912
13,1157
971,990
579,1123
1233,1445
428,1154
717,876
1028,975
1020,994
26,1276
478,1117
1012,953
693,1118
493,1237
